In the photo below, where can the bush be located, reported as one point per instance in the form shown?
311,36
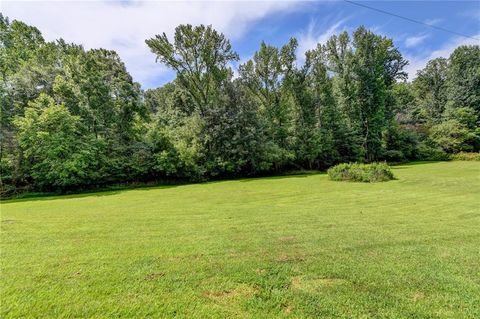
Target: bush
452,136
428,153
355,172
399,144
465,156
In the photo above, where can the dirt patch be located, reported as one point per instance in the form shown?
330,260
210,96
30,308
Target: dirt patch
287,258
418,296
76,274
287,238
154,276
176,258
305,284
260,271
9,221
288,309
242,291
236,254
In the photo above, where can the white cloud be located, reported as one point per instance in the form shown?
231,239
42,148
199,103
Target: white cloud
419,62
415,40
309,38
433,21
124,26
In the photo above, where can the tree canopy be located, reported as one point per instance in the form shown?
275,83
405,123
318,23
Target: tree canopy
74,118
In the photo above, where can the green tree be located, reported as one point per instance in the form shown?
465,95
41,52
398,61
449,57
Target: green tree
200,56
237,143
431,90
452,136
267,79
56,151
377,64
463,77
24,59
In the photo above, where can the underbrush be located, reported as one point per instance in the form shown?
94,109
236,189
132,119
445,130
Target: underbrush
356,172
466,156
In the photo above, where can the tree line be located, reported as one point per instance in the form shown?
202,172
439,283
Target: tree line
73,118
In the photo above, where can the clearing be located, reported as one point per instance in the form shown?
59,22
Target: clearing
292,246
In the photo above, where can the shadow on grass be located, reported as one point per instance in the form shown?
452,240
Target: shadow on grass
115,190
109,191
87,193
284,176
410,164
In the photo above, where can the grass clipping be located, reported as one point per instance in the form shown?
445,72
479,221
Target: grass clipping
356,172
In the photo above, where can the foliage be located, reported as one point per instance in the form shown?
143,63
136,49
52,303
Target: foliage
466,156
200,56
464,78
451,136
357,172
346,102
399,143
431,89
427,152
57,154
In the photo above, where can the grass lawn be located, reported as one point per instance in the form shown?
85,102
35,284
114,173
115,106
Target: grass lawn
295,246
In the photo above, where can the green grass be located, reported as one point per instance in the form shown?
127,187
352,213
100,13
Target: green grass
292,246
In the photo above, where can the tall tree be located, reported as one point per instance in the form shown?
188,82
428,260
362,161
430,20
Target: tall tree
463,87
431,90
377,64
267,77
200,56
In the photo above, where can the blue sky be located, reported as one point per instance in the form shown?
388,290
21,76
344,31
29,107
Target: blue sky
124,25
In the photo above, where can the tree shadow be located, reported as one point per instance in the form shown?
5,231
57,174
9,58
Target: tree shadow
416,163
285,176
33,197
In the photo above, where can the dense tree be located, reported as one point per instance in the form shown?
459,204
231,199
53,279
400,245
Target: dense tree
267,78
431,89
451,136
377,65
366,67
463,88
73,118
57,153
22,53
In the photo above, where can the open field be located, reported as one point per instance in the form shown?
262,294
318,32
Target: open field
296,246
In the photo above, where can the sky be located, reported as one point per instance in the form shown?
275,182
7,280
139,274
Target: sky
124,26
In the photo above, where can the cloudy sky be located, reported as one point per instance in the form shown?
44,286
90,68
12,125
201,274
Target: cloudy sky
124,25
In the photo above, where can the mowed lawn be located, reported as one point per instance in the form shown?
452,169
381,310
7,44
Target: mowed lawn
296,246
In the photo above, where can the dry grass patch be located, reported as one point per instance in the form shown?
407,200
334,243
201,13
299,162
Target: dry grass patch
243,291
310,285
290,258
418,296
154,276
287,238
260,271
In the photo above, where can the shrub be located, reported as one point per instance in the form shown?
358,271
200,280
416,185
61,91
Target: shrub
355,172
465,156
428,153
399,144
452,136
